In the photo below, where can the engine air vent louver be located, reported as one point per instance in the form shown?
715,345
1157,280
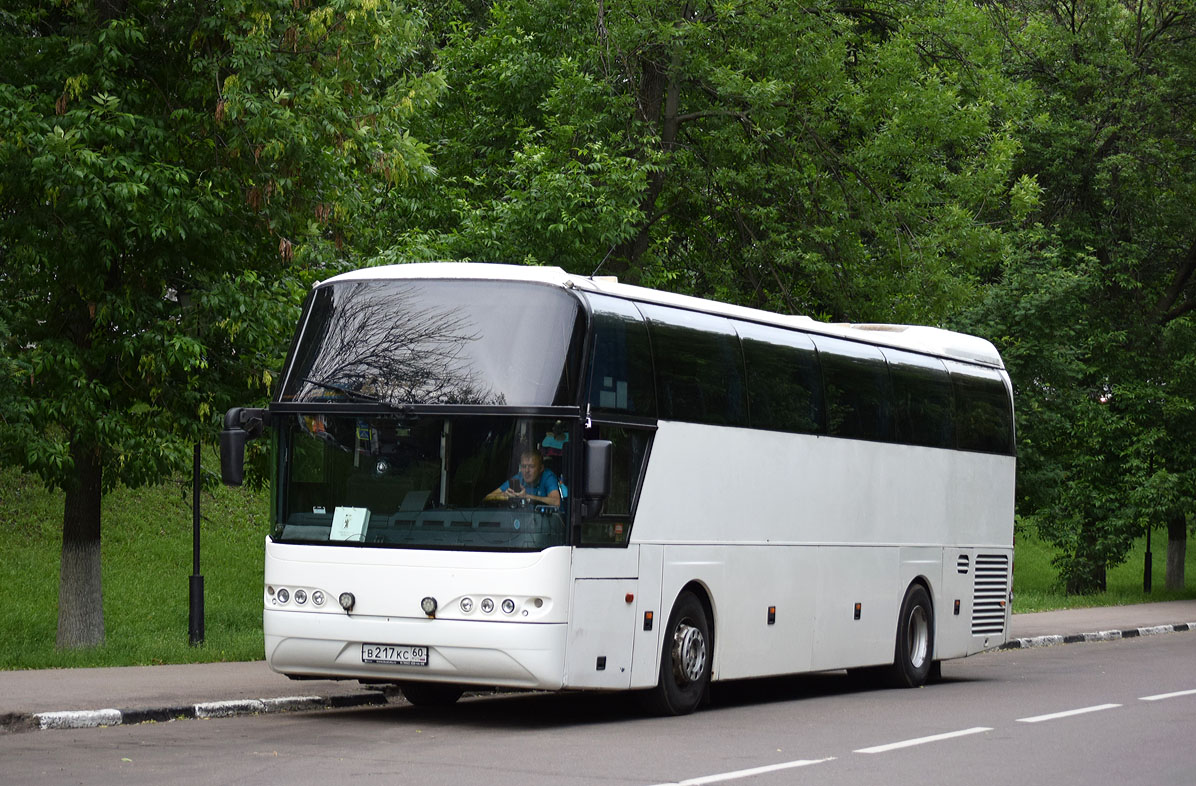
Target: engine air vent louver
990,594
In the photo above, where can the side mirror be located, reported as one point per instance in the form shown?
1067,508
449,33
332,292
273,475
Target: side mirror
240,425
596,469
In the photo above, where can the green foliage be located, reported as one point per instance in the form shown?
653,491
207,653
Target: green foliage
172,175
1094,313
810,159
160,170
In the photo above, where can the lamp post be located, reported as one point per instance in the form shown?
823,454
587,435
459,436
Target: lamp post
195,590
1146,578
195,625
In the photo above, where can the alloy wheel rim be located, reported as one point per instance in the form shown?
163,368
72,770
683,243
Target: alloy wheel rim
689,654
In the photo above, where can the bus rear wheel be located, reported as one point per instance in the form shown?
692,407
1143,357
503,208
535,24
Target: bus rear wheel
685,660
913,657
431,694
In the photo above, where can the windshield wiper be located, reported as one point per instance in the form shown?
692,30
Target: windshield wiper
357,394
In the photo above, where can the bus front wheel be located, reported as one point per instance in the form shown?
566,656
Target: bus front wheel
685,660
913,658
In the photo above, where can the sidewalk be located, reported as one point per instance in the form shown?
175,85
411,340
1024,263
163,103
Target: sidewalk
76,698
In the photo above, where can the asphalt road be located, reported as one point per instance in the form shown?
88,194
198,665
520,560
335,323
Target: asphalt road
1102,712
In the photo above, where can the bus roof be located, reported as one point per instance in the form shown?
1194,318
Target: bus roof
915,338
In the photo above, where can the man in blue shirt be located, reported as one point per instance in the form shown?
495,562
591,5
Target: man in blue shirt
533,483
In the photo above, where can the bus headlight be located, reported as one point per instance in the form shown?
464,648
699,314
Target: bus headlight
508,606
283,595
317,598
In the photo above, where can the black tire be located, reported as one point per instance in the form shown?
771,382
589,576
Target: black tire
913,656
685,660
432,694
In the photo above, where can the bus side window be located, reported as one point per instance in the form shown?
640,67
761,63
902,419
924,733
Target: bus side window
858,393
983,412
612,525
922,401
699,366
783,384
620,376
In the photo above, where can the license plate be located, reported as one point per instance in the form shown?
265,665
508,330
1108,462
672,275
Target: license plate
397,654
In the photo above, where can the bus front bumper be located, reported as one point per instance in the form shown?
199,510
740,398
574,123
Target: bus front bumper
500,654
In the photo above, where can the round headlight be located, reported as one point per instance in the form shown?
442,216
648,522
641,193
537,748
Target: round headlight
283,596
317,598
487,605
466,605
300,597
508,606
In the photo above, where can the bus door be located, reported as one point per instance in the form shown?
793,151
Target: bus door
608,598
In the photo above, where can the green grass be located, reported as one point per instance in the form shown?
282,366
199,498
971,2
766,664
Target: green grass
146,553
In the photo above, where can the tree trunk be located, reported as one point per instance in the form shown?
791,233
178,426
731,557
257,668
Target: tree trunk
657,105
1177,548
80,596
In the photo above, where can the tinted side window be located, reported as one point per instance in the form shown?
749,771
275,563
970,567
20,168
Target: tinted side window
922,401
620,379
783,384
983,411
611,526
699,368
856,385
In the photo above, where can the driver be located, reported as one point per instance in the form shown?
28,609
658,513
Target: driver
533,483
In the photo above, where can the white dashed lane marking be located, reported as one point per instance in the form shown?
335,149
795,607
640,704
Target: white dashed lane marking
731,776
1067,714
892,746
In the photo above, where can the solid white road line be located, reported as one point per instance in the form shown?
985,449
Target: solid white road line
1168,695
1067,714
730,776
892,746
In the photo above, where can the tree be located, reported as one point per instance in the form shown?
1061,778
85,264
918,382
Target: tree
808,158
1096,307
170,174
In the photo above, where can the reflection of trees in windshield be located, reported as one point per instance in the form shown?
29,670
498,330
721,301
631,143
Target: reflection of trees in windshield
381,342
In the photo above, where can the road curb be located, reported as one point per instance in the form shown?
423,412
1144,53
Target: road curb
1104,635
88,719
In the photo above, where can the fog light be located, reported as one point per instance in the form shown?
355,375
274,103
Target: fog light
508,606
347,600
300,597
428,604
283,596
317,598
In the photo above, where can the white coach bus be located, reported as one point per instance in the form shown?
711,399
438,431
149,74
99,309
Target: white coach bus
738,493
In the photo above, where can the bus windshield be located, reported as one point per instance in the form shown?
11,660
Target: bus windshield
456,482
399,342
